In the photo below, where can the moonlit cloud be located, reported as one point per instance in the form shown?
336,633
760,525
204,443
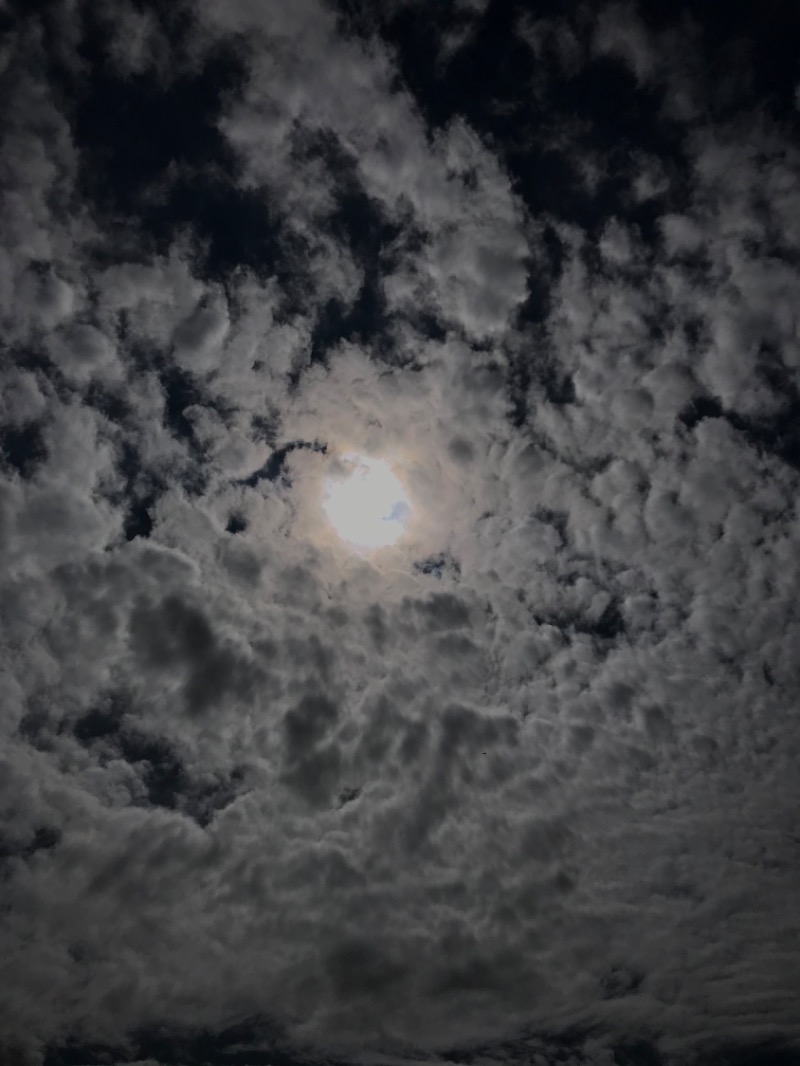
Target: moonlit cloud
399,535
366,503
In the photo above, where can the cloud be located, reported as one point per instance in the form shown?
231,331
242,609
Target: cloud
521,786
82,352
620,33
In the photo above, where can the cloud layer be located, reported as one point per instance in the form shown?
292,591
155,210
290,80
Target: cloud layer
524,783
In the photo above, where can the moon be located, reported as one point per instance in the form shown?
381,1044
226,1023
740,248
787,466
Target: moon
366,503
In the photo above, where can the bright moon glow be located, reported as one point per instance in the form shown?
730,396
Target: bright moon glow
368,506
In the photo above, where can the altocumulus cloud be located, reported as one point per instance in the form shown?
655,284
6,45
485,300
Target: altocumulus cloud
522,786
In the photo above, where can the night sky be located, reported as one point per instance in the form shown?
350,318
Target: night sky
399,533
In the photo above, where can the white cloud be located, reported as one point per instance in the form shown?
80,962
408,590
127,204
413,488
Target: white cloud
82,352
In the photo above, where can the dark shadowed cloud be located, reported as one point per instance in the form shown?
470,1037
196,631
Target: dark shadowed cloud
521,786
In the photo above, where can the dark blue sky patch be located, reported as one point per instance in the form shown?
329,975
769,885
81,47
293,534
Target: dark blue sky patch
274,466
559,520
701,408
181,390
750,49
112,404
439,566
154,155
131,129
518,382
609,626
428,324
349,794
138,520
236,524
238,226
158,765
265,427
138,494
778,436
490,81
100,721
543,270
23,450
357,222
535,366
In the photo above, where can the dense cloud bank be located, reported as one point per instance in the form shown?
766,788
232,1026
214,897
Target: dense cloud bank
525,784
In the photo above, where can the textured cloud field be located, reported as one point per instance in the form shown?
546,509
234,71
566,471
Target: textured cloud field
524,784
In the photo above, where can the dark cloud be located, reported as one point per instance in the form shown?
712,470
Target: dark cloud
175,637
